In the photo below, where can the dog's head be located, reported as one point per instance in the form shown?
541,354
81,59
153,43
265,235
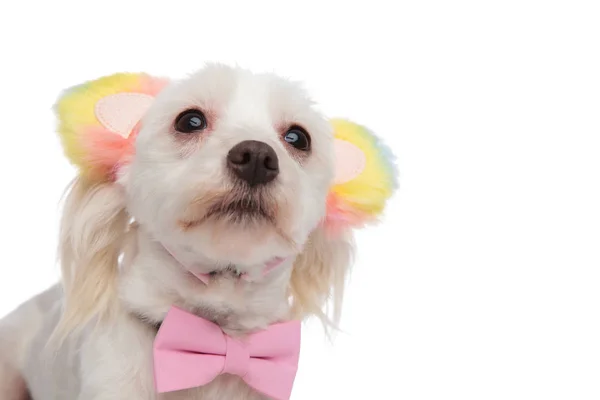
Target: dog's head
231,166
226,167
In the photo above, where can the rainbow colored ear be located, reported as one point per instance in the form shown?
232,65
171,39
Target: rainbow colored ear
98,121
365,177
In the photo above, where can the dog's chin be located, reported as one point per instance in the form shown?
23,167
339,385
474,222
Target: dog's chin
253,241
241,232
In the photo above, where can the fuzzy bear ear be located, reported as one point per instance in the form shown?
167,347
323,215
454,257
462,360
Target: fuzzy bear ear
365,177
98,121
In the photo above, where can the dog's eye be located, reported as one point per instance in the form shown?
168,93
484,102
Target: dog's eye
190,121
298,138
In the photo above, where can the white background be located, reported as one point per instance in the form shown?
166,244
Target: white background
483,280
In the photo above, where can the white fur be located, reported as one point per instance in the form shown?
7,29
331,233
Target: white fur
104,321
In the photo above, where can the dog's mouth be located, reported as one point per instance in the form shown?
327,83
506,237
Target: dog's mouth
242,210
238,207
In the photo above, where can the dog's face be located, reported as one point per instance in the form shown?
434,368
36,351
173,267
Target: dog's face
231,167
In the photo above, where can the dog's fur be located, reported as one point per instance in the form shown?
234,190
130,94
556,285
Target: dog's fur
90,337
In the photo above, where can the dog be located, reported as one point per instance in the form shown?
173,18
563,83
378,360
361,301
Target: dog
226,196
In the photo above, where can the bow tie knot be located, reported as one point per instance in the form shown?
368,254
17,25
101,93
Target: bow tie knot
190,351
237,358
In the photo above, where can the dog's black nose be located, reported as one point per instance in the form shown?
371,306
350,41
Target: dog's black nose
254,162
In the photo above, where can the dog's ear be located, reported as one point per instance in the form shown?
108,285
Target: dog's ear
365,177
97,124
98,121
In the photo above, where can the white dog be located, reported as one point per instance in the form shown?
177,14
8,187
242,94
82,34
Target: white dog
225,194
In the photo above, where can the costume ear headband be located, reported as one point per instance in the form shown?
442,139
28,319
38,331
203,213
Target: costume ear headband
98,123
365,177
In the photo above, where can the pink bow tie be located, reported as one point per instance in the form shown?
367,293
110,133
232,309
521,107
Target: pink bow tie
190,351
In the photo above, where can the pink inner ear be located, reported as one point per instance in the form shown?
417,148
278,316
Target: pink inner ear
122,111
350,161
